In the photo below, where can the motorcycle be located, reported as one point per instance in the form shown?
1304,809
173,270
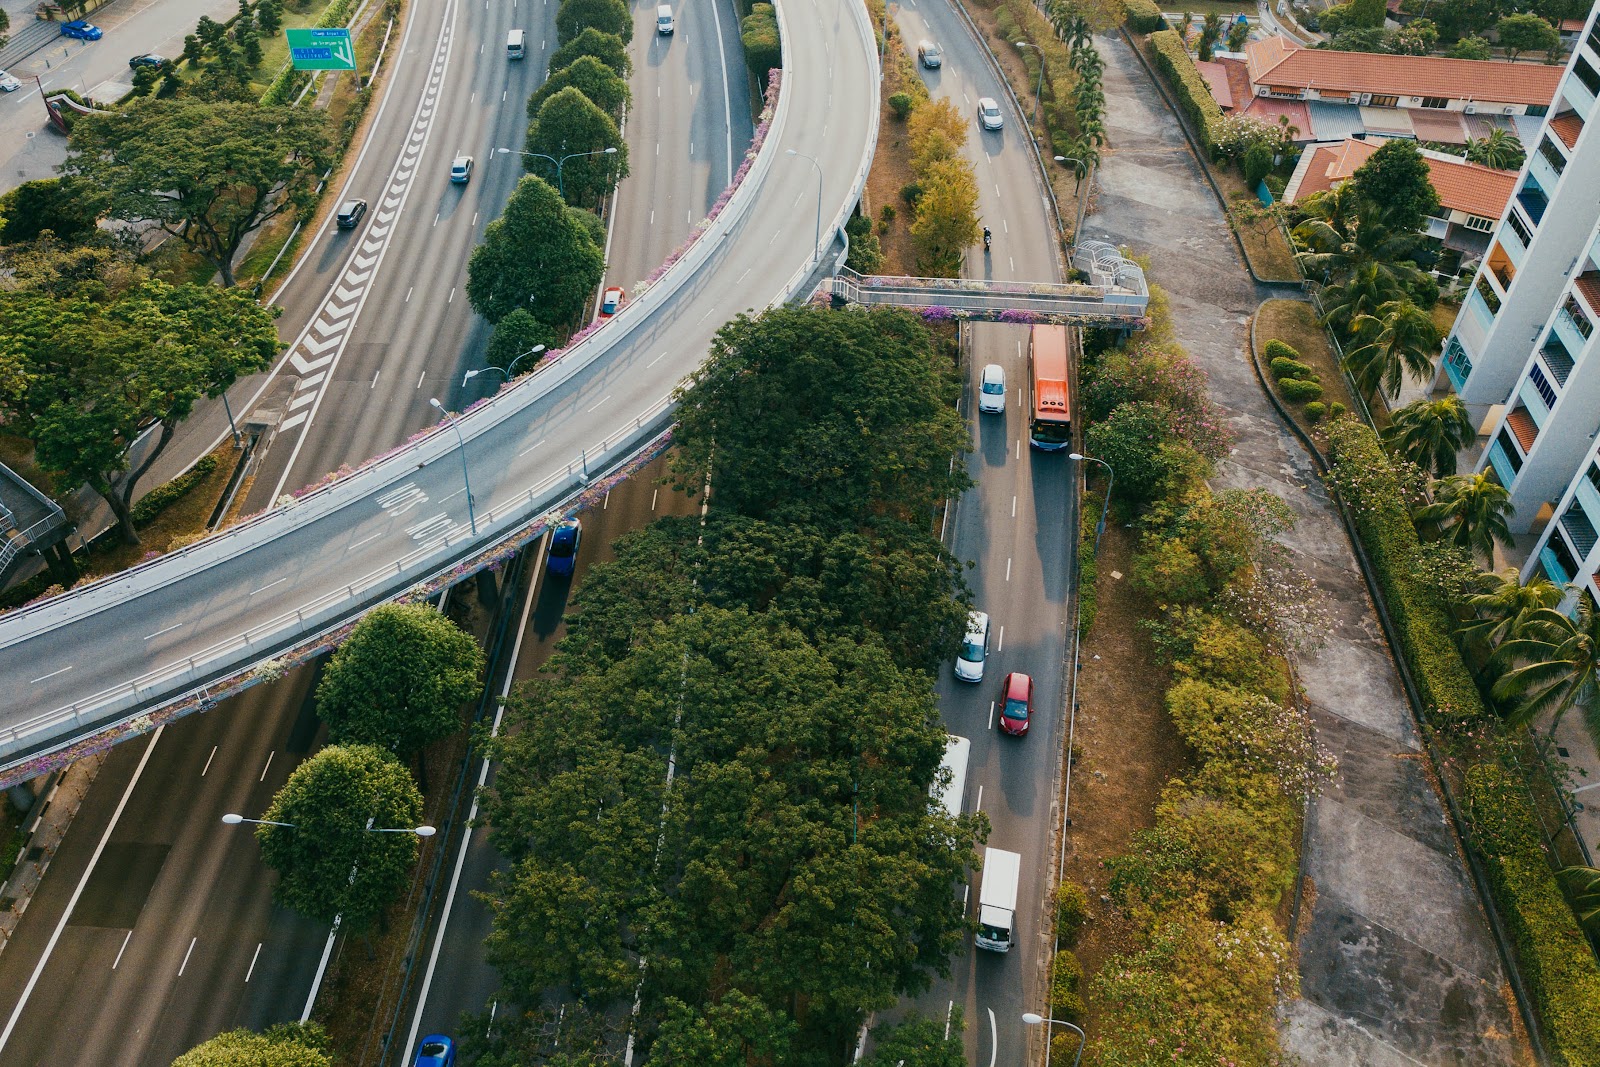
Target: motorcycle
986,238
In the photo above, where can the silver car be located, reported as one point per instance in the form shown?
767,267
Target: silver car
974,648
992,390
8,83
989,116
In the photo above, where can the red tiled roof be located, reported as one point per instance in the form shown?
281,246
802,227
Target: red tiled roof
1260,107
1571,25
1567,126
1275,61
1462,186
1216,76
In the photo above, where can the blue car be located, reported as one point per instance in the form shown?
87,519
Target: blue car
436,1050
564,547
82,30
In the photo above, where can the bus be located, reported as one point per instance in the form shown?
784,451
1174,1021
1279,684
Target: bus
950,793
1049,403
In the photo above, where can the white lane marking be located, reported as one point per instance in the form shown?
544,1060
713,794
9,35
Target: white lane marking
602,400
991,715
186,956
375,374
474,220
530,448
1019,448
1008,568
52,674
745,275
209,758
994,1038
653,494
421,377
1013,505
269,585
408,293
436,220
452,299
1007,229
125,939
72,901
605,501
253,959
266,766
364,540
1002,646
163,630
658,359
977,805
707,315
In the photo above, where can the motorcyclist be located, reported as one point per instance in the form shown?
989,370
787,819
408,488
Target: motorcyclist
986,238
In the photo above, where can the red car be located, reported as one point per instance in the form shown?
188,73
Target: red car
610,302
1016,709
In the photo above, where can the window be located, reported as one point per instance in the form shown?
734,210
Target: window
1435,101
1520,228
1586,73
1593,474
1532,198
1537,111
1580,321
1552,155
1490,297
1479,223
1542,386
1385,101
1513,452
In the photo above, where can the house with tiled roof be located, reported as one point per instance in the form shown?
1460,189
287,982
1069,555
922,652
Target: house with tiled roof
1280,69
1472,197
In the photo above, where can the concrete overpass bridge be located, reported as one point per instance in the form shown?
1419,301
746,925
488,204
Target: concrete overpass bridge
171,636
1114,294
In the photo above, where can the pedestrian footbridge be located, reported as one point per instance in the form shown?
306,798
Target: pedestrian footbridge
1113,294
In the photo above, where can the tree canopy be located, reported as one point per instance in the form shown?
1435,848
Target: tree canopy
591,77
569,124
207,173
1525,33
284,1045
328,863
400,680
536,256
573,17
68,209
1395,178
833,420
608,48
99,372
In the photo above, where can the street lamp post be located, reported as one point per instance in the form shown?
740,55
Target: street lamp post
1034,1020
506,370
421,831
1079,169
231,425
1111,479
816,240
1040,90
561,162
472,517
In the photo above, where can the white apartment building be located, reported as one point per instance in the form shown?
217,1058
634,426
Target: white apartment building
1524,353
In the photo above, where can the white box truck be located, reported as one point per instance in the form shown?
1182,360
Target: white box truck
997,903
949,793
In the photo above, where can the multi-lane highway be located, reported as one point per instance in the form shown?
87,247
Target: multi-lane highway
153,906
1015,526
301,568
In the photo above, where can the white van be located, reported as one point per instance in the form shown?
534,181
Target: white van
664,23
514,44
950,793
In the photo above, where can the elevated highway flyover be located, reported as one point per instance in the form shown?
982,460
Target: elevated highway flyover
170,636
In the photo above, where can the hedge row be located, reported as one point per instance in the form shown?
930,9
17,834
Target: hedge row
164,496
1556,961
1088,566
1365,477
1194,95
1144,16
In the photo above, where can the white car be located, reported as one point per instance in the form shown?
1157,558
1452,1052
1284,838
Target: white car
989,116
992,390
8,83
974,648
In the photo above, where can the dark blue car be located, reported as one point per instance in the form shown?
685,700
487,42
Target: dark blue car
436,1050
564,547
82,30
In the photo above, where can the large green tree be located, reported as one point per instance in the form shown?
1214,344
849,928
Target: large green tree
608,48
284,1045
824,418
536,256
1396,177
1497,613
602,85
102,372
68,209
1397,339
1499,150
569,125
329,862
209,174
606,16
735,1031
400,680
1525,33
946,222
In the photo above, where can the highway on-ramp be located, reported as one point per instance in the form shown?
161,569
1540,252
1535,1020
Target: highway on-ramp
302,568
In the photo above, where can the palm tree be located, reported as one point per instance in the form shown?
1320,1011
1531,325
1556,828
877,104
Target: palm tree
1429,433
1210,34
1345,233
1401,336
1557,656
1499,612
1362,293
1583,890
1468,511
1499,150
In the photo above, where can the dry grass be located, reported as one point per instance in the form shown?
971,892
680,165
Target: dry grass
17,453
1264,245
1444,316
891,166
1127,747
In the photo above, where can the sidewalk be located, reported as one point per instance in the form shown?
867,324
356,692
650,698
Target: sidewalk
1397,964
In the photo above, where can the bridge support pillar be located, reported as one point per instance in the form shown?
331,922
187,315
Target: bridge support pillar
488,589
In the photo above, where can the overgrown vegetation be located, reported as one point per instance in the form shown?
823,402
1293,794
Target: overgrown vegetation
790,876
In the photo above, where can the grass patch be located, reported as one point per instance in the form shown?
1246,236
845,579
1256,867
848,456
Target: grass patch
1294,322
1265,246
1444,316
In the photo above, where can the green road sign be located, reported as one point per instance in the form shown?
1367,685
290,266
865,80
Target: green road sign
321,49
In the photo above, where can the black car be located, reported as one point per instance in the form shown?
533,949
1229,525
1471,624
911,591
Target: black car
149,59
350,214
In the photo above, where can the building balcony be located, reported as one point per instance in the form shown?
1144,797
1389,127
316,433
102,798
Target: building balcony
1556,358
1523,428
1533,199
1500,265
1579,530
1504,459
1567,127
1588,286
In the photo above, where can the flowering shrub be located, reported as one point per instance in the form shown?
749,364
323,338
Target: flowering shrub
1251,733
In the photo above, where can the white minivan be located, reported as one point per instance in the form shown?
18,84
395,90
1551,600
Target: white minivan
514,44
974,648
664,23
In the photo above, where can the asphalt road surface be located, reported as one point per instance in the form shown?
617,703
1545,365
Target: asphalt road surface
1015,526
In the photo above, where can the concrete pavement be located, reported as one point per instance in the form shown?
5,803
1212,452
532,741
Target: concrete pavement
1396,961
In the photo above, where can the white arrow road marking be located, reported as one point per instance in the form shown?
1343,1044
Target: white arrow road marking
365,261
339,313
302,365
346,295
399,501
301,400
316,380
330,330
372,246
353,277
380,231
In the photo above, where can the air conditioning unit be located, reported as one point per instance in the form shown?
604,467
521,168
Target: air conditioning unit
1472,109
1366,98
1509,111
